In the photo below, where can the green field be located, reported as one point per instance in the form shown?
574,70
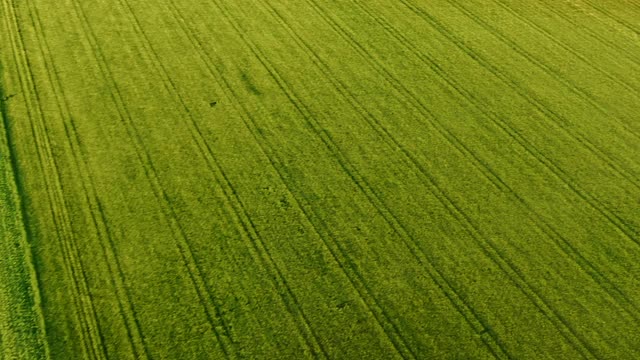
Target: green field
334,179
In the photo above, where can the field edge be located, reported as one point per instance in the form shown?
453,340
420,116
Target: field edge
22,326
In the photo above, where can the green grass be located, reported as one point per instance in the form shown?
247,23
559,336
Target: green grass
320,179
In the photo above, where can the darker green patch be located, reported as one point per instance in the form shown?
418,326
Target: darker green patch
284,202
342,305
249,84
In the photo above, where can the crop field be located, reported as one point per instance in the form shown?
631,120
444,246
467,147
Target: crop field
332,179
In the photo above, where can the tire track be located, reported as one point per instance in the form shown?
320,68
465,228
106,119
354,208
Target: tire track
620,296
485,169
560,120
391,79
26,236
354,180
250,123
253,128
492,251
611,16
183,246
22,326
98,217
553,73
634,4
625,228
92,339
631,88
594,34
198,138
241,214
368,56
37,336
472,317
583,94
325,137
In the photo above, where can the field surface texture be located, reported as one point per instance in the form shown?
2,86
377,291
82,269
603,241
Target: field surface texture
332,179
